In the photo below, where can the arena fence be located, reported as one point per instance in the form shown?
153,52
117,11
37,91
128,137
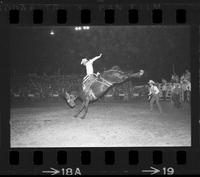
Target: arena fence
34,86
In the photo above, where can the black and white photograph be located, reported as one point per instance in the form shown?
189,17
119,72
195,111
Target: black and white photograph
100,86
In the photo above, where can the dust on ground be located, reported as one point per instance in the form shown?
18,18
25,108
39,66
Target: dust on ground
51,124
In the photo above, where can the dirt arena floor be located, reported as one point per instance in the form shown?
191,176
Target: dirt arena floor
51,124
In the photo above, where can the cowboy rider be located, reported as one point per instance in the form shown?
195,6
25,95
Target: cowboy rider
89,64
90,77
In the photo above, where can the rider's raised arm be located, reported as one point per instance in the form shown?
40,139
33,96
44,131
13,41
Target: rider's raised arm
95,58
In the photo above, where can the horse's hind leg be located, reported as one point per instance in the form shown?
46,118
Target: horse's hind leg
86,109
80,110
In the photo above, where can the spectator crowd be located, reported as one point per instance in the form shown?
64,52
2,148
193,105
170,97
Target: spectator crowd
42,86
34,86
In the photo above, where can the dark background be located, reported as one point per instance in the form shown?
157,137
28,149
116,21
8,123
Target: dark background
153,49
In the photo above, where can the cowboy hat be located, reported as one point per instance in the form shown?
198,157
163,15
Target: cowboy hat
84,60
151,82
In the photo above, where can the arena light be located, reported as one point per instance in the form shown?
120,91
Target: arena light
52,32
86,27
79,28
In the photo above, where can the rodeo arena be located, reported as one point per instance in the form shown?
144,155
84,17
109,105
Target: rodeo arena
100,86
124,116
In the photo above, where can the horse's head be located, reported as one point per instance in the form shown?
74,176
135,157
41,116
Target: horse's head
70,99
136,75
116,75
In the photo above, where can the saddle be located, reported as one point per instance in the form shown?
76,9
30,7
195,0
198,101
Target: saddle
88,80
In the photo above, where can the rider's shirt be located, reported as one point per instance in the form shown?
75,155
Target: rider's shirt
89,67
154,90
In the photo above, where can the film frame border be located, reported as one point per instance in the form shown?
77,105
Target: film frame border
171,156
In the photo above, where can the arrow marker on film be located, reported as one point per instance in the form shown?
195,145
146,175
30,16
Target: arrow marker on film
52,172
152,171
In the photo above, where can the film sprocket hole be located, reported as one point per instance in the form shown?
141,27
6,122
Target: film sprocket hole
95,87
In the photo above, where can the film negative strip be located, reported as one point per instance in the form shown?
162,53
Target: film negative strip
99,87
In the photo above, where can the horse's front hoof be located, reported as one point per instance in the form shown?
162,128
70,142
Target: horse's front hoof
82,117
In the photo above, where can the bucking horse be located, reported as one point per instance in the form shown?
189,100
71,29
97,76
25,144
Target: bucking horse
97,86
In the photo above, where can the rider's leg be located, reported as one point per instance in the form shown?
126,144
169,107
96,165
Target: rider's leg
80,110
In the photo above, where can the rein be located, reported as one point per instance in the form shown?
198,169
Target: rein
105,82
